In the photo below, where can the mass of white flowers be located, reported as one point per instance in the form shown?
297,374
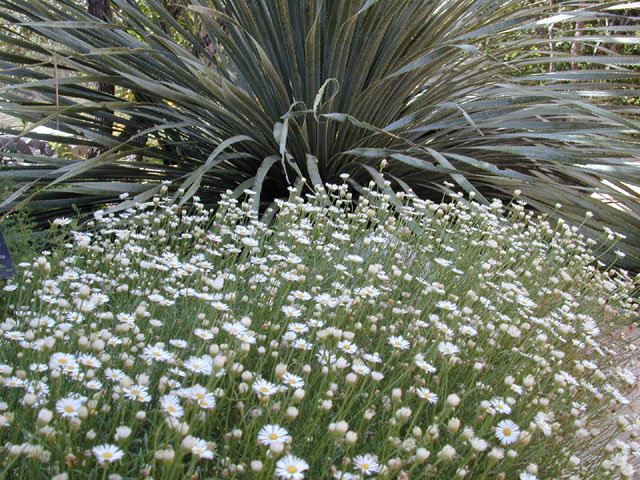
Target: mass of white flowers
384,336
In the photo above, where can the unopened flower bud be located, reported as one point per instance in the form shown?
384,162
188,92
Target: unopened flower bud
351,437
422,454
218,362
454,425
188,442
44,417
396,394
122,433
341,428
453,400
276,448
403,414
447,453
298,395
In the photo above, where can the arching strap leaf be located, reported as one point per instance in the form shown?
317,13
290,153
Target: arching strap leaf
261,174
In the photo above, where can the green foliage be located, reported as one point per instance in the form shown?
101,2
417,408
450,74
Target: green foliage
20,232
236,94
22,238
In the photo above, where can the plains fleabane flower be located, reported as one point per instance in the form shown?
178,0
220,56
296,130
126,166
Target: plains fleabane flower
107,453
291,467
507,432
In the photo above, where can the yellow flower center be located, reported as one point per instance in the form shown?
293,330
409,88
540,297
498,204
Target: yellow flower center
264,389
68,408
364,466
107,455
292,469
273,436
507,431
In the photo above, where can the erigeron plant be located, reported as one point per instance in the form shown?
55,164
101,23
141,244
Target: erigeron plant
386,337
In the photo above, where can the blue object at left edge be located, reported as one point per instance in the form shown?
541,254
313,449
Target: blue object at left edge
6,265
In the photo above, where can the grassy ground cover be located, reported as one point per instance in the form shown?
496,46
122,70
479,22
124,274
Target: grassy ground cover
387,337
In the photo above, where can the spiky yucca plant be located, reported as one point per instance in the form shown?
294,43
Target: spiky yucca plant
220,94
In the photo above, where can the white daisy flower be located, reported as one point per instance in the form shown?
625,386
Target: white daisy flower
64,361
297,328
107,453
203,334
507,432
360,369
348,347
442,262
426,394
170,404
500,406
366,464
264,387
372,357
398,342
425,366
448,348
201,449
325,357
94,384
292,381
202,365
155,353
527,476
270,434
300,295
447,306
114,375
291,312
290,467
68,407
302,344
139,393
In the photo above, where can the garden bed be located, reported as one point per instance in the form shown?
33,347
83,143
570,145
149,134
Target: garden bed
387,337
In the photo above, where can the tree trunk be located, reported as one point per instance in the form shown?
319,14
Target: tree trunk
551,43
575,46
100,9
